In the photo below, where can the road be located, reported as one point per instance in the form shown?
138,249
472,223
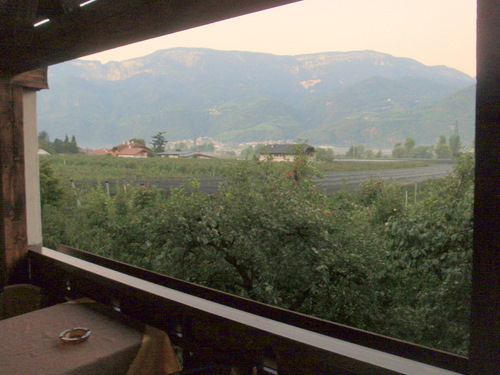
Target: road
336,181
331,183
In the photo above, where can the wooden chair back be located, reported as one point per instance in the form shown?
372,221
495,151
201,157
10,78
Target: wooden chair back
19,299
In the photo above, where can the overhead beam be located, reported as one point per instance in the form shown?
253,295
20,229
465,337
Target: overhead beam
103,25
15,15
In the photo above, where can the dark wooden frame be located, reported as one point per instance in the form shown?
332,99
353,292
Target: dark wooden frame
74,34
484,350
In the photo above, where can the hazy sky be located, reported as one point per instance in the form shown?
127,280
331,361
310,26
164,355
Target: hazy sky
434,32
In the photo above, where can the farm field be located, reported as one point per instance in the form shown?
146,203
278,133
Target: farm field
169,173
329,182
106,168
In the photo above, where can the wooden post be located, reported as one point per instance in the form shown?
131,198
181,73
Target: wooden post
13,197
485,323
13,228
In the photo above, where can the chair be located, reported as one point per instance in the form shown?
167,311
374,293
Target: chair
20,299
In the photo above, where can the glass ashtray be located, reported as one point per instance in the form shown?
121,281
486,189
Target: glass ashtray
75,335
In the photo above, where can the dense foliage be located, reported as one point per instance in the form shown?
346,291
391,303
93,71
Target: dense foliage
362,258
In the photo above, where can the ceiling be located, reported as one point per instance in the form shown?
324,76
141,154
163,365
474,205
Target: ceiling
76,28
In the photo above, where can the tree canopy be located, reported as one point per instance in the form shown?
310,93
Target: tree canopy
364,259
58,146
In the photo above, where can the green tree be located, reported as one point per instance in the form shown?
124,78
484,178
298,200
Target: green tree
399,151
259,148
356,151
139,141
442,150
247,152
409,144
406,150
369,154
58,146
44,141
72,146
422,152
51,192
158,142
325,155
431,250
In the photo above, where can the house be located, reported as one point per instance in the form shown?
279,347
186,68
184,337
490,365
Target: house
184,155
213,328
135,152
284,152
130,149
42,151
127,145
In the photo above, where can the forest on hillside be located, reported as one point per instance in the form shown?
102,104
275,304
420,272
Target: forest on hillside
364,258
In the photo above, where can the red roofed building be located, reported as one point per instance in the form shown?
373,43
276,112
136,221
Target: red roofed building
135,152
131,149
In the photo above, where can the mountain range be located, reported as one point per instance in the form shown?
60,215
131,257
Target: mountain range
337,98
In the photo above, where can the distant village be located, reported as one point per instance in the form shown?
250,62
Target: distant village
209,148
134,149
200,148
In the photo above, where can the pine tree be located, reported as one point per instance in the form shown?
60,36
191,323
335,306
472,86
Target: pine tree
158,142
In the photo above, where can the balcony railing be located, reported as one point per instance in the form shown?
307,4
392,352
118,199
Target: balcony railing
216,329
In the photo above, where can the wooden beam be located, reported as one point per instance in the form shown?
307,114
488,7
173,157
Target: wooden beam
13,229
16,21
104,25
485,322
35,79
14,13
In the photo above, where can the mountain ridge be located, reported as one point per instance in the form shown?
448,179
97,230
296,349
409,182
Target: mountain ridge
234,95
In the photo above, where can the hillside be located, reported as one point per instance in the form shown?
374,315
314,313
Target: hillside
390,113
338,98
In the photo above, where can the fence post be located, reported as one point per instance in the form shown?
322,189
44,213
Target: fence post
76,195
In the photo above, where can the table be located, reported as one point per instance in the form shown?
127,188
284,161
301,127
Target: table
30,345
